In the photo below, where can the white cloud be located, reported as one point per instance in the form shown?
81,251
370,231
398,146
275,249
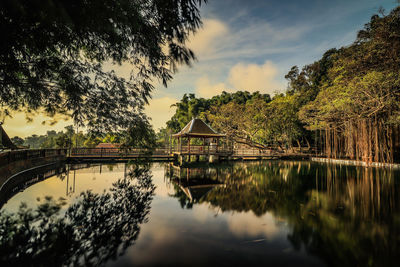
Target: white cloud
160,110
249,77
204,88
253,77
255,38
203,42
246,224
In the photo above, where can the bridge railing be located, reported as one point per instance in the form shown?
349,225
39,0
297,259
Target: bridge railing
254,152
117,152
194,149
8,157
200,149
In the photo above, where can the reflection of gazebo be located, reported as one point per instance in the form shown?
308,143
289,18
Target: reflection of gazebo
198,129
195,183
197,190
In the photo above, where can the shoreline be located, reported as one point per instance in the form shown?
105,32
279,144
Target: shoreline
357,163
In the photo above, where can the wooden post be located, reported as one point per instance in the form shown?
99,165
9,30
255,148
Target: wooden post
189,147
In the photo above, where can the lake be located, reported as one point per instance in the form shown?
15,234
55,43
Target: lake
266,213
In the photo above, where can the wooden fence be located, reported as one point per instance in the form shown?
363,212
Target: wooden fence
19,155
167,152
9,157
117,152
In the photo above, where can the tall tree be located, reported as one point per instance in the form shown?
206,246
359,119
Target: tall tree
358,108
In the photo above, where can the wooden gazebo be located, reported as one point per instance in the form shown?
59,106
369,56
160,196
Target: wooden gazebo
198,129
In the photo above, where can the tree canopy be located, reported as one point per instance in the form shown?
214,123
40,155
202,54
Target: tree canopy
54,55
358,104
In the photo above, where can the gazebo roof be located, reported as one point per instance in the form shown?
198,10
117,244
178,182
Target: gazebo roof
197,128
5,140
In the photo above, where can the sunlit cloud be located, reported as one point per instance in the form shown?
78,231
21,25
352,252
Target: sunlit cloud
248,225
250,77
254,39
203,42
206,89
253,77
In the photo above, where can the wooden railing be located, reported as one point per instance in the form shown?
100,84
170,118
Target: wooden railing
18,155
254,152
116,152
198,149
159,152
25,154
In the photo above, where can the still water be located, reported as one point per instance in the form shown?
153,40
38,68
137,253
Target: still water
272,213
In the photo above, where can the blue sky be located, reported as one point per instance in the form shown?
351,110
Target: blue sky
247,45
251,45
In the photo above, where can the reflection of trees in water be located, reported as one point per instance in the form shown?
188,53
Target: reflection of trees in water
96,228
345,215
352,218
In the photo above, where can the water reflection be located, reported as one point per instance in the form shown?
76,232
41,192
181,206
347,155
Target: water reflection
344,215
97,227
254,213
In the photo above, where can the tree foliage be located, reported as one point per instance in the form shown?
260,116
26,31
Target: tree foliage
358,106
140,135
56,55
226,112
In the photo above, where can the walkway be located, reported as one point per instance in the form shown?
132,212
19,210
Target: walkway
167,154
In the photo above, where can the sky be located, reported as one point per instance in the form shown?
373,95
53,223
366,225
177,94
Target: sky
246,45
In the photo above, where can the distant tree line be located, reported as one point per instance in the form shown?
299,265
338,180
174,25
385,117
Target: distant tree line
347,103
140,136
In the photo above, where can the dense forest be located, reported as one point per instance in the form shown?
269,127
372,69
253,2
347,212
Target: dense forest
347,104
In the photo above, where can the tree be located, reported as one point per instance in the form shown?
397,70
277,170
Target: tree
92,141
54,54
357,108
18,141
242,122
112,138
63,141
190,107
140,134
